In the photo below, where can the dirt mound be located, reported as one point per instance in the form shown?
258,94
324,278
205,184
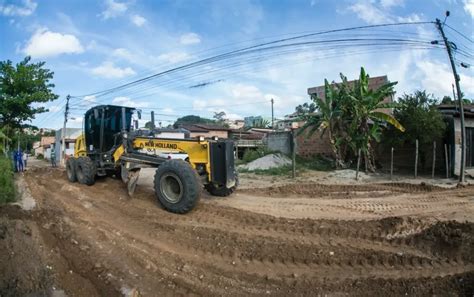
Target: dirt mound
22,268
340,191
267,162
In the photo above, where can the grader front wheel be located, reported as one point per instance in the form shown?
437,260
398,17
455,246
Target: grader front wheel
177,186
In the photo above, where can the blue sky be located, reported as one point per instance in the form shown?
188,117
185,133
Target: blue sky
95,45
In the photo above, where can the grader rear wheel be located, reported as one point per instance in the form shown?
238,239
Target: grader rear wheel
85,171
71,170
177,186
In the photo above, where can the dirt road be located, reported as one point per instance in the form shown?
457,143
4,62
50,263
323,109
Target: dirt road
310,239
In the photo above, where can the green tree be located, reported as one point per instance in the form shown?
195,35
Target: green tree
421,119
192,119
351,114
260,123
325,115
22,87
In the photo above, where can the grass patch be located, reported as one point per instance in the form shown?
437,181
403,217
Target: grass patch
7,186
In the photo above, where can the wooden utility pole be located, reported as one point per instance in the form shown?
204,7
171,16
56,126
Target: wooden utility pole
293,155
434,160
63,133
458,90
391,165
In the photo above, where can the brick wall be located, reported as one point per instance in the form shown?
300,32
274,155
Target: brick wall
308,146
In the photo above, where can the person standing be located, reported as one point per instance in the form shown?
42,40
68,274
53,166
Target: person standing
25,160
53,158
19,160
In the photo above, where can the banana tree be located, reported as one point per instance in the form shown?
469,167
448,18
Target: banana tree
366,107
327,119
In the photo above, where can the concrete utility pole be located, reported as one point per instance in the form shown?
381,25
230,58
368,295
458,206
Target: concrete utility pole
458,90
273,127
63,133
152,120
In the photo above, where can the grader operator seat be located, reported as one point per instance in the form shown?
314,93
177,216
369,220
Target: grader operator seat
109,146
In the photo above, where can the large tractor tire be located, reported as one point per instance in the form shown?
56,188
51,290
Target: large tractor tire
71,170
85,171
222,191
177,186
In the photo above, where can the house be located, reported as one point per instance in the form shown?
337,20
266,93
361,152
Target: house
206,130
374,83
69,138
43,146
235,124
451,114
171,133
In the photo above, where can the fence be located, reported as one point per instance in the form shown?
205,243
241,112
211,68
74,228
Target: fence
435,159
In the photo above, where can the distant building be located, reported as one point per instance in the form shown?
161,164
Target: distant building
374,83
206,130
451,114
69,138
171,133
235,124
43,146
248,121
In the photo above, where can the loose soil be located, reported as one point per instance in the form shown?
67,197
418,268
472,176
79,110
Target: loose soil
284,240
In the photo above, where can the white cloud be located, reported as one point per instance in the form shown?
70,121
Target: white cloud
369,12
126,101
45,43
109,70
391,3
27,9
190,38
113,9
437,78
54,108
138,20
168,110
174,57
469,7
122,53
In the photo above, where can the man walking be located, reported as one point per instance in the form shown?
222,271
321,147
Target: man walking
53,158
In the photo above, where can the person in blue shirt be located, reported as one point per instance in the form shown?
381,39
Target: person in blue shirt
19,160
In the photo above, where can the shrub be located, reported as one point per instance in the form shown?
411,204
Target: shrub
251,155
40,157
7,187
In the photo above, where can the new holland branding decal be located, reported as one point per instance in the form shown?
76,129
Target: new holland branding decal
159,145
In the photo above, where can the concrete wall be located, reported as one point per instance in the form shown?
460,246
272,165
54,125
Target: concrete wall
469,123
279,141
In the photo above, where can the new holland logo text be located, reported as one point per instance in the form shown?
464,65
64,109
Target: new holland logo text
162,145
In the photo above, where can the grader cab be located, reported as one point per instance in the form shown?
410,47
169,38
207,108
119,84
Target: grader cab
110,145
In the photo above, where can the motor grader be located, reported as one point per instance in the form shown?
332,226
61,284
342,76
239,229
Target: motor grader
111,145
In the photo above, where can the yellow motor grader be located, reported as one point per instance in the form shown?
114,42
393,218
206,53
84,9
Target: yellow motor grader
111,145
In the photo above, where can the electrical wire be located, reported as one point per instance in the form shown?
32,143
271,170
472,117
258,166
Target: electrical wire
206,60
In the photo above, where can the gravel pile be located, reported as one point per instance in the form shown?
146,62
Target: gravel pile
267,162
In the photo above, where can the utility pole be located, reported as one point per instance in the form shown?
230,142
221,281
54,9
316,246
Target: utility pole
63,133
152,120
273,127
458,90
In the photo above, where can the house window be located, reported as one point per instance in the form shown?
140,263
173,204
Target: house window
67,145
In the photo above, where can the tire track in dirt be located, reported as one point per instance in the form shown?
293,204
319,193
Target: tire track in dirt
219,250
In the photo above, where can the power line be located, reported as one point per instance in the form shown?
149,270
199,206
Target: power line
461,34
210,59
